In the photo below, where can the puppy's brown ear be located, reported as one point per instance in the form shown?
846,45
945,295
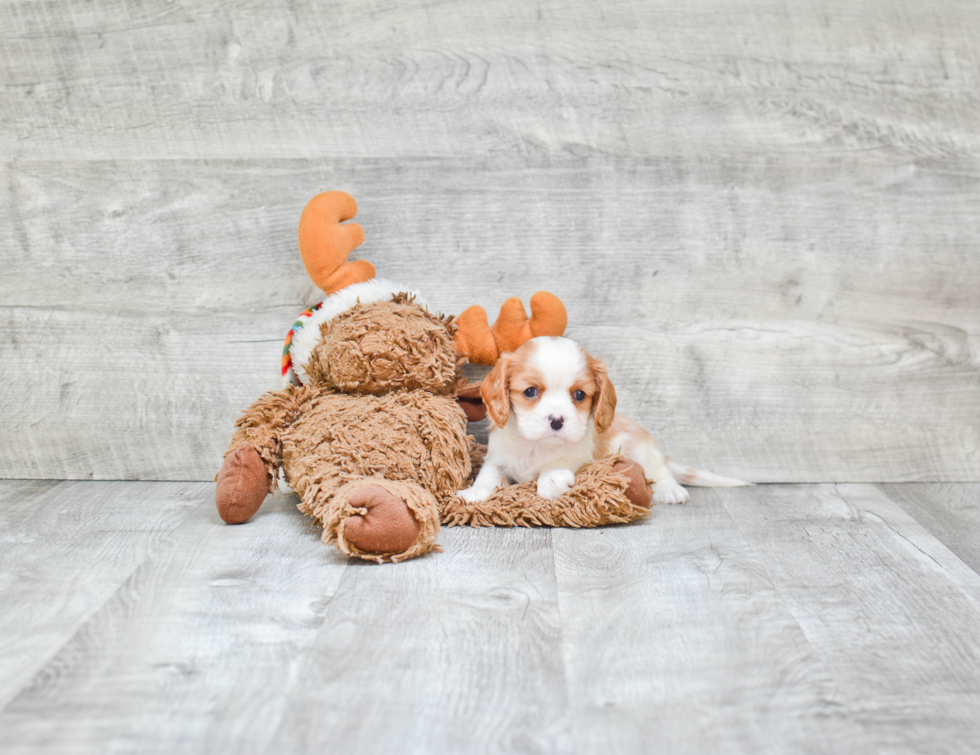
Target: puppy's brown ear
495,391
604,404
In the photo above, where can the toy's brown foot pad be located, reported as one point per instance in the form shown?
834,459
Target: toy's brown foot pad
638,491
387,527
243,483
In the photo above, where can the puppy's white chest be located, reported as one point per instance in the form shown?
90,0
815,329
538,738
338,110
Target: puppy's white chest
521,460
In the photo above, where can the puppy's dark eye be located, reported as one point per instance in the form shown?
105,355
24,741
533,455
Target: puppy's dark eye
579,395
531,392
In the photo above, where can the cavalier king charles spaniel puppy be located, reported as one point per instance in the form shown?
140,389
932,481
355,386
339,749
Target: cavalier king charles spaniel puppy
553,409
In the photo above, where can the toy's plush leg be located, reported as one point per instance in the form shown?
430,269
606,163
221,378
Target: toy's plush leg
386,526
376,519
254,455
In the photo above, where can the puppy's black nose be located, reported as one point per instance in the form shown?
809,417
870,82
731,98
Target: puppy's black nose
556,422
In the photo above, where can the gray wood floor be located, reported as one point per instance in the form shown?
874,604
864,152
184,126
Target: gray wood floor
783,618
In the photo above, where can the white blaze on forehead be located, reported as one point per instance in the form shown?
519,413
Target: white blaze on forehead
559,360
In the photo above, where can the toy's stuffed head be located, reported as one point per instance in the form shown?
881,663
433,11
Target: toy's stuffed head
372,337
386,346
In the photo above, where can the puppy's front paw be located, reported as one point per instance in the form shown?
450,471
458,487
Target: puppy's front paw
555,483
475,494
668,491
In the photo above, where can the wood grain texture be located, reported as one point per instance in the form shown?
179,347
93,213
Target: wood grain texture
66,549
259,638
764,217
676,636
893,614
768,320
130,394
458,652
194,649
378,79
817,619
951,513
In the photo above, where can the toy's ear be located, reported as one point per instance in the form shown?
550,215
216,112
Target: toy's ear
604,404
496,391
325,244
471,401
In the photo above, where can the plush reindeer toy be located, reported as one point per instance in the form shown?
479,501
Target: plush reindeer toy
370,428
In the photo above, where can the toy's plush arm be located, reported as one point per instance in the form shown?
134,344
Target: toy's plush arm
253,458
264,422
481,344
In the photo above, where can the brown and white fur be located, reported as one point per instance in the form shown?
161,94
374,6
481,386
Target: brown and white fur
553,409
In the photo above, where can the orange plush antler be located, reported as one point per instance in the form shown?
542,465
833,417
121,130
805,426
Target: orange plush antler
324,244
481,344
548,318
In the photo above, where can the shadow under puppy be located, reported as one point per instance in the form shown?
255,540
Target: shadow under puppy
553,409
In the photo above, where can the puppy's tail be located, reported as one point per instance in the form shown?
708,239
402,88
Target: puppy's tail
698,478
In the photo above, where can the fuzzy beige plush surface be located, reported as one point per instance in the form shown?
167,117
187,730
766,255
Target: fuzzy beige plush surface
384,347
408,436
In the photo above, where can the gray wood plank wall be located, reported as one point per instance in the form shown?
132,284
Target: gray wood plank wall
764,215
